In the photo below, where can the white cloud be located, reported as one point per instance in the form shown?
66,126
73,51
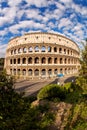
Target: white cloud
3,50
37,3
29,24
64,22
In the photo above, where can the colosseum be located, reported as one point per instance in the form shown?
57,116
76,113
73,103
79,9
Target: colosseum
41,55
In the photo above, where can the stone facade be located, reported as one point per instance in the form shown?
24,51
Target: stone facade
41,55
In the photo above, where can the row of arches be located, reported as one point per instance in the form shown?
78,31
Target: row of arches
43,60
42,72
42,49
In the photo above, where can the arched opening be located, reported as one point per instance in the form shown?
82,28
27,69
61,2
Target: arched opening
30,60
18,71
43,60
24,71
24,61
43,49
11,52
49,60
61,71
71,52
36,72
65,70
24,50
68,52
50,72
55,72
30,72
64,51
69,70
68,61
43,72
61,61
72,61
14,71
72,70
49,49
60,50
36,60
55,49
10,61
15,51
14,61
65,60
18,60
30,49
11,71
55,60
19,50
36,49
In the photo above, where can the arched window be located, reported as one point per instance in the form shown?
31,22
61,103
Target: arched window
61,71
55,49
36,60
24,50
10,61
55,60
36,49
11,52
15,51
10,71
64,51
49,49
43,60
60,50
36,72
49,60
61,61
65,70
71,52
19,50
18,60
24,61
18,71
24,71
14,71
72,61
50,72
65,60
14,61
30,72
68,61
43,49
30,49
68,52
30,60
69,70
55,71
43,72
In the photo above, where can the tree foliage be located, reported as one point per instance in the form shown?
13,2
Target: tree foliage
82,79
16,112
1,61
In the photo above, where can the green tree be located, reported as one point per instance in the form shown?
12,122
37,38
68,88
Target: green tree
82,79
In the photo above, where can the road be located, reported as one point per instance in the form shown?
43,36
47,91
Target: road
31,87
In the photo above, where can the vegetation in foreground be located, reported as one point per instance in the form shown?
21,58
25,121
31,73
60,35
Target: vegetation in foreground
17,111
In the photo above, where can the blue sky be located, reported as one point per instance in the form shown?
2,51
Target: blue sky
66,17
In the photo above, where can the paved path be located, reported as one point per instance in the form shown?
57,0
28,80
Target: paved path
32,87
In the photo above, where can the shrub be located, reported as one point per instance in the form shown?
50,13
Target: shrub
51,91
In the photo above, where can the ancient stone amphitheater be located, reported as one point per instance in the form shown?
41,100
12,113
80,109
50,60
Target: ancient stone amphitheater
41,55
